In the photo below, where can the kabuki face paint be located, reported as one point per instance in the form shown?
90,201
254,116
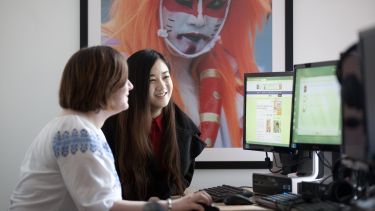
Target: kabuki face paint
191,27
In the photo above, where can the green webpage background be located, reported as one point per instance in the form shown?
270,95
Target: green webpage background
259,108
317,107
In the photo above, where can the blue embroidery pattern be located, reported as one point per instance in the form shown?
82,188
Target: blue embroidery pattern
65,143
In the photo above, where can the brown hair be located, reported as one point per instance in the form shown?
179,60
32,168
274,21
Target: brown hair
134,125
90,77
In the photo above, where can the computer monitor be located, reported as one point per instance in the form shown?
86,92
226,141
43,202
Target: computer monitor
267,111
357,76
367,48
317,121
268,103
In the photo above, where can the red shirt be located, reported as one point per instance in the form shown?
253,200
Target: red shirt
156,133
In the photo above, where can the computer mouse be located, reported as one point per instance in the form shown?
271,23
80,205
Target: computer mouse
247,193
210,207
237,199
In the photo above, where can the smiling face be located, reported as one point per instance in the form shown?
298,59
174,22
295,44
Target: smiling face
193,26
161,87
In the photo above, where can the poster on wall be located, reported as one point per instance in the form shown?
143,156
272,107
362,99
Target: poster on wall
210,44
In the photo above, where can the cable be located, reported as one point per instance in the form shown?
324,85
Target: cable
323,180
269,164
324,161
268,161
282,168
274,158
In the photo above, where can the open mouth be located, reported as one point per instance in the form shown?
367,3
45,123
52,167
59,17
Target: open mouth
191,49
161,94
195,37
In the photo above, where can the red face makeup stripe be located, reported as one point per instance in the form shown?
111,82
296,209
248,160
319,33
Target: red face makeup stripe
174,6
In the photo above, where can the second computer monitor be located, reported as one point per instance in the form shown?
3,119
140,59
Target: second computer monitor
267,111
317,107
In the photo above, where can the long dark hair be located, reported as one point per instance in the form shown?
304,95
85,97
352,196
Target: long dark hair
132,139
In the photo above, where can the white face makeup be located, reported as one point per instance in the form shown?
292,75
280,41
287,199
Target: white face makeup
161,87
191,27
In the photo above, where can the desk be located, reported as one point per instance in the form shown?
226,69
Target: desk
224,207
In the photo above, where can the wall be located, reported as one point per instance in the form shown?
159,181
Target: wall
37,38
324,28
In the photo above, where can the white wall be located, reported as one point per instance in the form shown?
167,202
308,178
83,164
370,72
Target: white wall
325,28
37,37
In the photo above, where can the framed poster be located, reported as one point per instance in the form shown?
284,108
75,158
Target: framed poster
261,30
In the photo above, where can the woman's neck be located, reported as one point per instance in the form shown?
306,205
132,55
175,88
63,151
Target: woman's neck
155,112
96,118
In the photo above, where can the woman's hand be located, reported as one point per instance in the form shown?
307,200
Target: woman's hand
192,201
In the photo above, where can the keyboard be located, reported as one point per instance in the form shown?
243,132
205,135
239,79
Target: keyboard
295,202
219,193
281,201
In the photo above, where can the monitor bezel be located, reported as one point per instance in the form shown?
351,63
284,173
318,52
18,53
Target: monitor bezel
312,146
366,50
258,147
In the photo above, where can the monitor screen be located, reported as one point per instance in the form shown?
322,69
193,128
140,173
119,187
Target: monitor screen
317,107
267,111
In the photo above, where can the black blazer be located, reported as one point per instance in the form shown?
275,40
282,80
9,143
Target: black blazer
190,146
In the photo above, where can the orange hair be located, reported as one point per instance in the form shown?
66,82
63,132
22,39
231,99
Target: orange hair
135,25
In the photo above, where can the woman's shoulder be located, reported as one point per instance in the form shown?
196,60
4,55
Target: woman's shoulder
183,121
185,126
69,122
77,134
74,127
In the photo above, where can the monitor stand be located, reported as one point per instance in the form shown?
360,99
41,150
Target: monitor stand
314,174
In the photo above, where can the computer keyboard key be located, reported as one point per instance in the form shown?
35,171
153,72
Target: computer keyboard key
279,201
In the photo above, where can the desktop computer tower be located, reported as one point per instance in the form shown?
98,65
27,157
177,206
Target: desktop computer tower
274,183
271,183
